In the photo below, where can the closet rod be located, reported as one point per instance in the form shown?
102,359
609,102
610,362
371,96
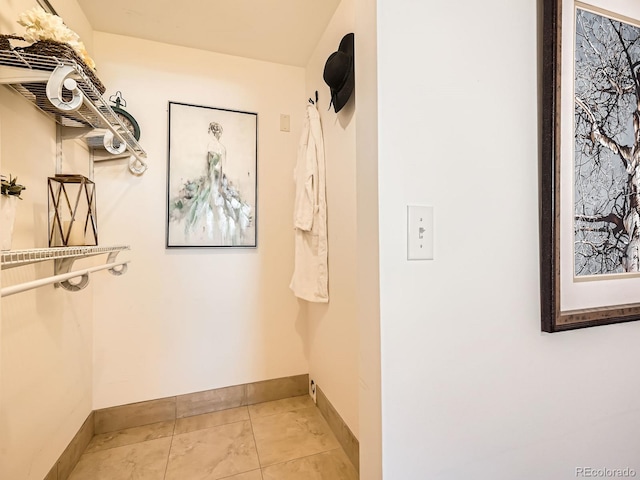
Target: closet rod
23,287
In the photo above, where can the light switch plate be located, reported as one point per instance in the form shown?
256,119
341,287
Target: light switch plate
419,232
285,123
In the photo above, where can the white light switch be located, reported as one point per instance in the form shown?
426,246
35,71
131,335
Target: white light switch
419,232
285,123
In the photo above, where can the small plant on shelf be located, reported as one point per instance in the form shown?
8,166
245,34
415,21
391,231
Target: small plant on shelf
11,187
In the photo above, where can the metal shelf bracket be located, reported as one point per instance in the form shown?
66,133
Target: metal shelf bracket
61,77
64,258
63,266
62,90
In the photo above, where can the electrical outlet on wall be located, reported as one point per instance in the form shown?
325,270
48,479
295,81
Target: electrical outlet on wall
312,390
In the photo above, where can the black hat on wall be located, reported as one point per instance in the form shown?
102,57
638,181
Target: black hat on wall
339,72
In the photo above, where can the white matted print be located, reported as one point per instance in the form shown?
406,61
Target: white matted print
212,177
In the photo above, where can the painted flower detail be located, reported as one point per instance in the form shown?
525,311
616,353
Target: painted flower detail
41,25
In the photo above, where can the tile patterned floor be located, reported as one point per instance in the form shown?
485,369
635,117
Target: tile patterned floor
282,440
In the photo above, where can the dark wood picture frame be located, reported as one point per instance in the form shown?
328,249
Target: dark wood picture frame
554,317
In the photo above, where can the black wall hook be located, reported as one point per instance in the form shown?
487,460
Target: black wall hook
311,100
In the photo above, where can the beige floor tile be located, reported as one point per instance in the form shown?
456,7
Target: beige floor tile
333,465
208,420
254,475
130,436
291,435
213,453
280,406
140,461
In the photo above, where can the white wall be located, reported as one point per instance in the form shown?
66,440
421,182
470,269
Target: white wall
333,327
471,387
195,319
74,17
45,334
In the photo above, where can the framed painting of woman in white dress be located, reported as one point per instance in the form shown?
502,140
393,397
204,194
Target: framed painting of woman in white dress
212,177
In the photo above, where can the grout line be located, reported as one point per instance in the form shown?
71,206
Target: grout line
255,443
234,475
173,434
175,425
307,456
166,467
175,410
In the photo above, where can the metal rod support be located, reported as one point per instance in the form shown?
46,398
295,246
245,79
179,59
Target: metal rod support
96,111
23,287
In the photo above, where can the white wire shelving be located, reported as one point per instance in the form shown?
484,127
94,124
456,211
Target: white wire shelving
63,258
61,89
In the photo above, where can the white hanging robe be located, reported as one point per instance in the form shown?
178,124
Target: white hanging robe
310,274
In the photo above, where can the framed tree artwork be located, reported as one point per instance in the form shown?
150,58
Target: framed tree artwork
590,171
212,177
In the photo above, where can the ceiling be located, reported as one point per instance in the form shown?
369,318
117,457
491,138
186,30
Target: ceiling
279,31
